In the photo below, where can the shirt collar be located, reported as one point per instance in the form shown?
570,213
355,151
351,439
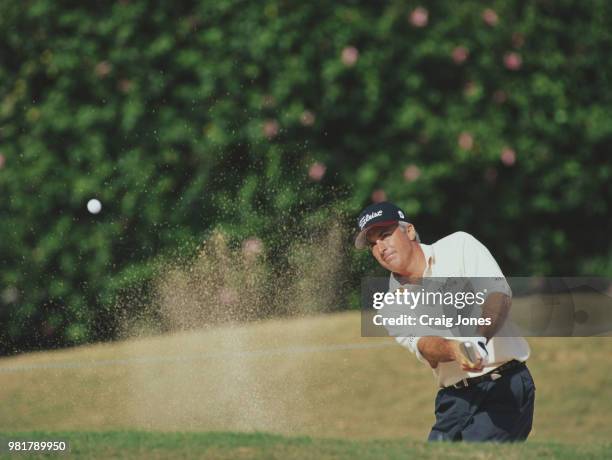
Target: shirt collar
430,258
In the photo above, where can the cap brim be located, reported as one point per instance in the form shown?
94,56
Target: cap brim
361,242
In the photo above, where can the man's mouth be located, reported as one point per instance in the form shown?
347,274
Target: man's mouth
388,256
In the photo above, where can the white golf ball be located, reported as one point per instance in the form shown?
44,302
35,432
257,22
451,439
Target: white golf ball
94,206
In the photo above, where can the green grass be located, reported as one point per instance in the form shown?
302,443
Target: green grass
190,395
137,445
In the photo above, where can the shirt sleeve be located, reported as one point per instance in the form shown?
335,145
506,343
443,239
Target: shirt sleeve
398,333
411,343
481,267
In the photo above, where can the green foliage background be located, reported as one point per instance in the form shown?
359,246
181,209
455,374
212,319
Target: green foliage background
184,117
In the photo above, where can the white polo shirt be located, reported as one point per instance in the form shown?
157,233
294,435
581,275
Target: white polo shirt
462,255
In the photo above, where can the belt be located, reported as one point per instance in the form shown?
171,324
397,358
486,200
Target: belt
495,374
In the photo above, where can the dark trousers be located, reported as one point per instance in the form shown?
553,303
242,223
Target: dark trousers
493,410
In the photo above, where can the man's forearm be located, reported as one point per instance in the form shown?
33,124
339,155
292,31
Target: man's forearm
496,308
439,350
436,350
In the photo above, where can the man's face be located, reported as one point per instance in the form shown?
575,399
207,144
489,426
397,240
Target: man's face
391,247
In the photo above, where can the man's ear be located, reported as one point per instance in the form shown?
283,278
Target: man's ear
411,232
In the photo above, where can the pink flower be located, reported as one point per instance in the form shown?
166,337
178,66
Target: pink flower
124,85
465,141
252,246
518,39
379,195
419,17
270,128
2,161
460,54
317,171
513,61
412,173
500,96
307,118
349,57
508,156
103,68
490,17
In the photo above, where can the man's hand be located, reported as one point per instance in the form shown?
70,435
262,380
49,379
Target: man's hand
439,350
481,354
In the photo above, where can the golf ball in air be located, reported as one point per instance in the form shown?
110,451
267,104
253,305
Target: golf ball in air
94,206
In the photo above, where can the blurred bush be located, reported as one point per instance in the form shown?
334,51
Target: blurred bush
250,117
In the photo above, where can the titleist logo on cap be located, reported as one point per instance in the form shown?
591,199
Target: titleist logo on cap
368,217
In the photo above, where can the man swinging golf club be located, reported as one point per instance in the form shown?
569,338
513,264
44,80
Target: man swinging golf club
486,391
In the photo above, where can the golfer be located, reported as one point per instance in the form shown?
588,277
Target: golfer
489,398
